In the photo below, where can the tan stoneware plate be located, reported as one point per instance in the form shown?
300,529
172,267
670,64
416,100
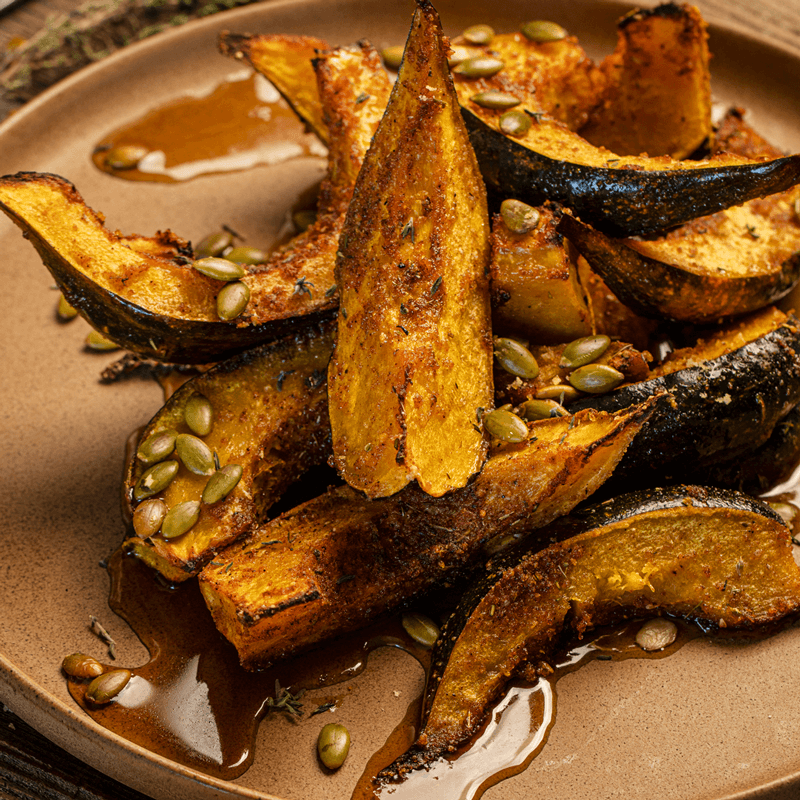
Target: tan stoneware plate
712,721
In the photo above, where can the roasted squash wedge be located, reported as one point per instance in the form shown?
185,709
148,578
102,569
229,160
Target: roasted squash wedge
413,359
657,95
338,561
270,418
719,558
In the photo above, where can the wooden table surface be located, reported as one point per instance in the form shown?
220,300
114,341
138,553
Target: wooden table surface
31,767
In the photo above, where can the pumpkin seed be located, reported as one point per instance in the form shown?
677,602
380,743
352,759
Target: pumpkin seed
656,634
303,220
214,245
495,99
194,454
180,519
333,745
479,67
459,55
148,516
562,392
232,300
541,409
506,426
199,415
81,666
541,30
423,630
155,479
519,217
104,688
515,123
96,341
156,447
246,255
478,34
596,378
786,511
221,484
64,310
584,351
393,56
515,359
125,156
219,268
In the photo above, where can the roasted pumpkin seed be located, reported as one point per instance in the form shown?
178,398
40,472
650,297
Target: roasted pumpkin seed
155,479
221,483
478,34
515,358
459,55
214,245
246,255
656,634
180,519
198,414
562,392
786,511
219,268
541,409
423,630
96,341
333,745
479,67
81,666
148,516
303,220
495,99
519,217
541,31
157,446
125,156
393,56
596,378
64,310
104,688
515,123
194,454
584,351
232,300
506,426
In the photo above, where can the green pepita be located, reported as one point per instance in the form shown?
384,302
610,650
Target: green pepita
214,245
219,268
96,341
194,454
541,31
155,479
180,519
125,156
495,99
156,447
596,378
104,688
148,517
333,745
460,54
506,426
232,300
81,666
393,56
561,392
584,351
541,409
515,123
519,217
515,358
786,511
246,255
479,67
423,630
199,415
221,484
303,220
478,34
64,310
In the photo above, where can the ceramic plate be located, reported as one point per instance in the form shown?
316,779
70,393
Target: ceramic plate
712,721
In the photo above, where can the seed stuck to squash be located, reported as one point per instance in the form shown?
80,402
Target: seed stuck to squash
541,409
222,483
246,255
519,217
515,358
157,447
506,426
148,517
596,378
194,454
180,519
219,269
393,56
214,245
199,415
478,34
515,123
584,351
155,479
541,31
495,99
480,67
232,300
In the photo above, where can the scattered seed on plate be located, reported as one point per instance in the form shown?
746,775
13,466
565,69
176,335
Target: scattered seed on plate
423,630
656,634
96,341
64,310
333,745
81,666
199,415
124,156
104,688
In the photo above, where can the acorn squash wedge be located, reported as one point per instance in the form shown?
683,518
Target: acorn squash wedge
413,360
716,557
336,562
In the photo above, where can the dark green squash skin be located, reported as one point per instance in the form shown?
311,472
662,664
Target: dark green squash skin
720,409
622,202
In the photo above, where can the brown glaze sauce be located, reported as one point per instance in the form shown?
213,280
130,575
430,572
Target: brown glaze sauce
241,124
